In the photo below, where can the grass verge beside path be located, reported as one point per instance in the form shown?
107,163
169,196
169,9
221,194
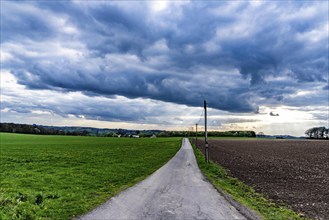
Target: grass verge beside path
60,177
242,193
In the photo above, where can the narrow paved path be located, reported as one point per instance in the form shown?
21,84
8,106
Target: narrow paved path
177,190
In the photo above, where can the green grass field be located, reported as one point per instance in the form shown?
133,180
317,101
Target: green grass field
60,177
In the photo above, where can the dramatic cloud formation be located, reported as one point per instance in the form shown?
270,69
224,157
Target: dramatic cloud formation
137,61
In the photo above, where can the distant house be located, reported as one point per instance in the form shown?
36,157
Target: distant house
135,136
153,136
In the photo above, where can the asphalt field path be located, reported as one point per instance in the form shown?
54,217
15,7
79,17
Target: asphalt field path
177,190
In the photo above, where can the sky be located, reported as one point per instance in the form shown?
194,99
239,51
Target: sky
260,65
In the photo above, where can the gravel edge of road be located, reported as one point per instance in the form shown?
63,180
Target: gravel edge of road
244,210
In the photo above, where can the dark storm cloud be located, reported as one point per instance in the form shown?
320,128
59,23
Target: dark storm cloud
234,54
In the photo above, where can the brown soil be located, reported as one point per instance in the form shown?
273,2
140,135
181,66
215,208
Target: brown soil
293,172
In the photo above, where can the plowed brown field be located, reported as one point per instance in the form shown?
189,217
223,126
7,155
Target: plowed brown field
293,172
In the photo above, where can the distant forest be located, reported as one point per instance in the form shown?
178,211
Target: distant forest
312,133
104,132
73,131
318,133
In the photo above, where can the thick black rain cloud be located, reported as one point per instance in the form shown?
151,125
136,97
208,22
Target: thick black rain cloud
236,55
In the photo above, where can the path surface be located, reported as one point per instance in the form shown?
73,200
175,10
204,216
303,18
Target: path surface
177,190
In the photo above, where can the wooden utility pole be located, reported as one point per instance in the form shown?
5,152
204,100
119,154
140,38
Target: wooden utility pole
196,134
206,153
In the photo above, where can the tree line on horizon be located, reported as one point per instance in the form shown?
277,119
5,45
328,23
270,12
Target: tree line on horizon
209,133
317,133
86,131
73,131
312,133
38,129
